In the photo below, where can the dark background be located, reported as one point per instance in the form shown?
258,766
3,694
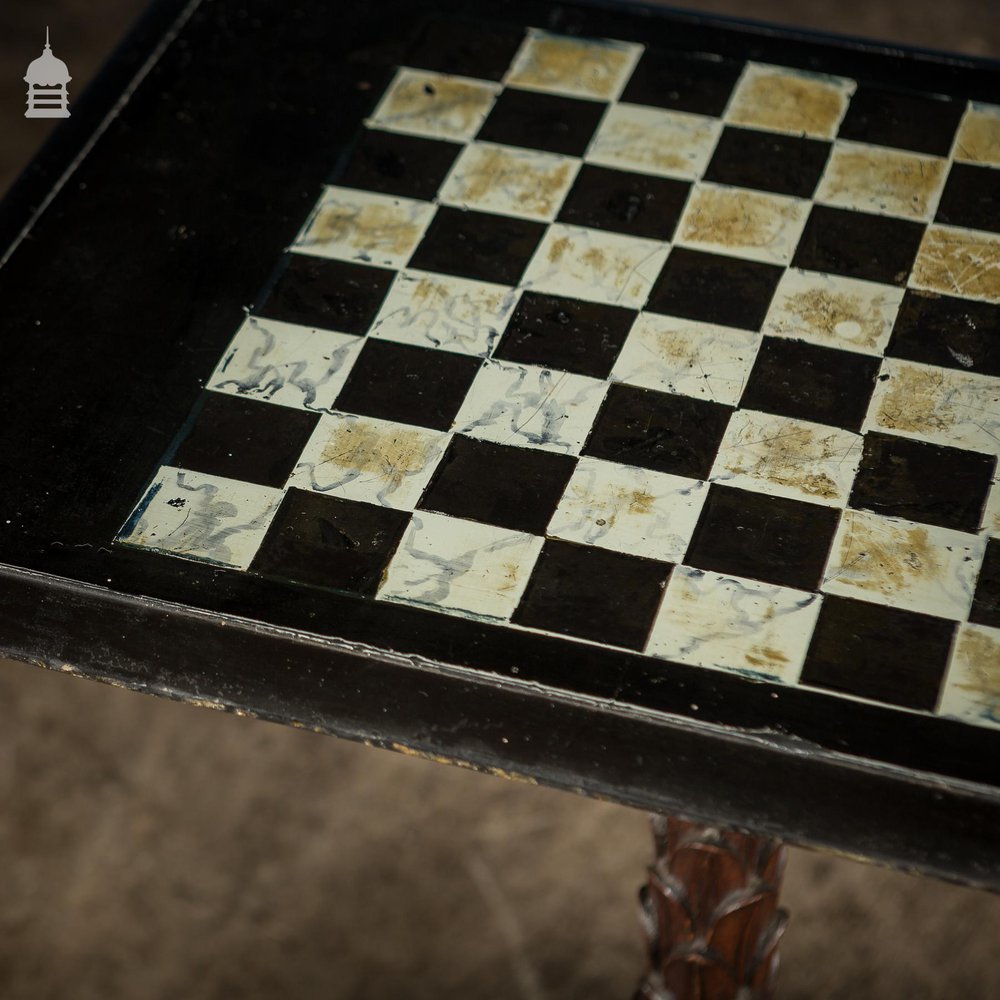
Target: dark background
150,850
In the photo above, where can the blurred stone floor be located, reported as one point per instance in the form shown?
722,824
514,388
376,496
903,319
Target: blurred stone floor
151,851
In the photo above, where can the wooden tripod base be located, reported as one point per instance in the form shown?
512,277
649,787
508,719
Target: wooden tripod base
710,913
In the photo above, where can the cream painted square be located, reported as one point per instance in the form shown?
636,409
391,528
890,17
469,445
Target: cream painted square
531,407
434,105
595,265
960,262
941,405
361,226
576,67
285,363
374,461
826,309
788,100
454,565
629,510
971,690
654,141
883,181
742,223
207,518
445,313
786,457
978,139
523,183
902,564
991,513
687,357
729,623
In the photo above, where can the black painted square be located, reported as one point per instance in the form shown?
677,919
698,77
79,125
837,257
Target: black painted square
761,537
330,294
516,488
768,161
888,655
542,121
682,82
410,385
923,482
477,245
950,332
245,439
858,245
986,605
635,204
714,289
330,542
916,122
480,49
404,165
568,334
796,379
592,593
658,430
971,198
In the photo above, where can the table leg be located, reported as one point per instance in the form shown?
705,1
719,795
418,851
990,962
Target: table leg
710,913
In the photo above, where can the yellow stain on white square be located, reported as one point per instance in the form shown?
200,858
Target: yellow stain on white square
728,623
629,510
595,265
445,313
460,566
205,518
971,688
904,564
596,68
978,139
941,405
742,223
832,311
654,141
786,457
522,183
434,105
795,102
687,357
373,461
961,262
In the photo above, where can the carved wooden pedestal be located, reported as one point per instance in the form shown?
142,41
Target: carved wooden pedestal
710,913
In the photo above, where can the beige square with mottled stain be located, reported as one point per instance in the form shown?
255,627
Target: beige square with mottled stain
941,405
595,265
991,511
960,262
978,139
373,461
362,226
687,357
577,67
903,564
883,181
654,141
434,105
631,510
791,101
450,564
826,309
742,223
519,182
971,689
728,623
786,457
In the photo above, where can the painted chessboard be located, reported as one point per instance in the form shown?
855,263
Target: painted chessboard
659,351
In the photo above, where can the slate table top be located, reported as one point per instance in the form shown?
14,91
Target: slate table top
592,395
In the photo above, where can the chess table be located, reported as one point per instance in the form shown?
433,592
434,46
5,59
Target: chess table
588,394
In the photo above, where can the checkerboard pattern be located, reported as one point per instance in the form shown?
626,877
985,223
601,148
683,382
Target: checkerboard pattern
660,351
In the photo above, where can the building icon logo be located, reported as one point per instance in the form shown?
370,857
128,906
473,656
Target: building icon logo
47,78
